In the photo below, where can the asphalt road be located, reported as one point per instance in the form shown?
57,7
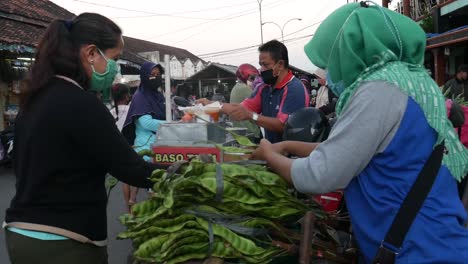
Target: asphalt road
119,250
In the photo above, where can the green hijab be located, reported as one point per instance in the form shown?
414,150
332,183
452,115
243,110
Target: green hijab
358,43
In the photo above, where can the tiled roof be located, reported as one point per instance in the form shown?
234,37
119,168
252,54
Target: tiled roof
25,21
42,10
14,32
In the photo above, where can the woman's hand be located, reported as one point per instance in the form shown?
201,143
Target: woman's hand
277,163
263,151
266,147
281,148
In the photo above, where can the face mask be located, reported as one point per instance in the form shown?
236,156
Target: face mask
337,88
155,82
102,81
268,77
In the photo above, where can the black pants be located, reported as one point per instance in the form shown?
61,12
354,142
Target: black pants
26,250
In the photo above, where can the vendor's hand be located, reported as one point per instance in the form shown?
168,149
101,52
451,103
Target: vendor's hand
203,101
264,149
227,108
239,113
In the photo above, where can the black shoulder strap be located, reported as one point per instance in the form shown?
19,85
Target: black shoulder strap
410,206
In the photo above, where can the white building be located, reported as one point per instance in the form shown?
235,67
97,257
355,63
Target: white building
176,68
182,65
199,66
188,68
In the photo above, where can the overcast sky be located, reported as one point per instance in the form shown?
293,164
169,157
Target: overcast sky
207,26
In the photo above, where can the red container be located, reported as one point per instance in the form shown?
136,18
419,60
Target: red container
330,201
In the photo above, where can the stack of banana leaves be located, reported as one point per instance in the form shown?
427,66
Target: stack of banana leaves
241,213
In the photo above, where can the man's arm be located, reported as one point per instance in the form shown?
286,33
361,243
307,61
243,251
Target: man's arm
239,113
269,123
295,98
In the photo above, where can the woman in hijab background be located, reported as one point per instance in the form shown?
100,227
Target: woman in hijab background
147,112
148,108
391,115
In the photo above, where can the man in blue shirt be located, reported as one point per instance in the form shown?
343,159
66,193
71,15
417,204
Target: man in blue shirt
271,104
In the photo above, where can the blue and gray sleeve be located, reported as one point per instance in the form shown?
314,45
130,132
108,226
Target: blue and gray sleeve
365,128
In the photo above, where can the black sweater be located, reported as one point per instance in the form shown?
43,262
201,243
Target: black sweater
65,142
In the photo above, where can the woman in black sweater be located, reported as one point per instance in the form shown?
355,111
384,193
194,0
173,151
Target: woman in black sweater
65,142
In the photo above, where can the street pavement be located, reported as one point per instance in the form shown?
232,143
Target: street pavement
119,250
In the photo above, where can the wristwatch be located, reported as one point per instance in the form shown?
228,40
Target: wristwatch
255,117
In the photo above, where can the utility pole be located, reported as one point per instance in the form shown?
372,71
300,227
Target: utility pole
261,22
269,22
167,91
282,28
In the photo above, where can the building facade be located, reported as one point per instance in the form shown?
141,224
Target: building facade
446,26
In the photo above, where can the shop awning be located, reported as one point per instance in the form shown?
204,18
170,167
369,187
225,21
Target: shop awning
450,37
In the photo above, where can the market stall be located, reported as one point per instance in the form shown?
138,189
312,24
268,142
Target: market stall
223,208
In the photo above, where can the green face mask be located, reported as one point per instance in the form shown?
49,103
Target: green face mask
103,81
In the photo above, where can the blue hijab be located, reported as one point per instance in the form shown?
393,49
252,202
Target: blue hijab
147,100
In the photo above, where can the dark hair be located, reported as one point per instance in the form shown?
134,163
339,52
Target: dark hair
58,52
462,68
119,91
277,50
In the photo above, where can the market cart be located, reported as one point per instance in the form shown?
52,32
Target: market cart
184,141
225,208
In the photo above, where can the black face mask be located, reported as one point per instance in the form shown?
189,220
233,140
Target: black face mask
155,82
268,77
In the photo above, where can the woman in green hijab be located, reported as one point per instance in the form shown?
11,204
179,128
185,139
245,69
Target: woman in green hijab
391,115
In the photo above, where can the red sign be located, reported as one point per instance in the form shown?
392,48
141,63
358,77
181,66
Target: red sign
168,154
